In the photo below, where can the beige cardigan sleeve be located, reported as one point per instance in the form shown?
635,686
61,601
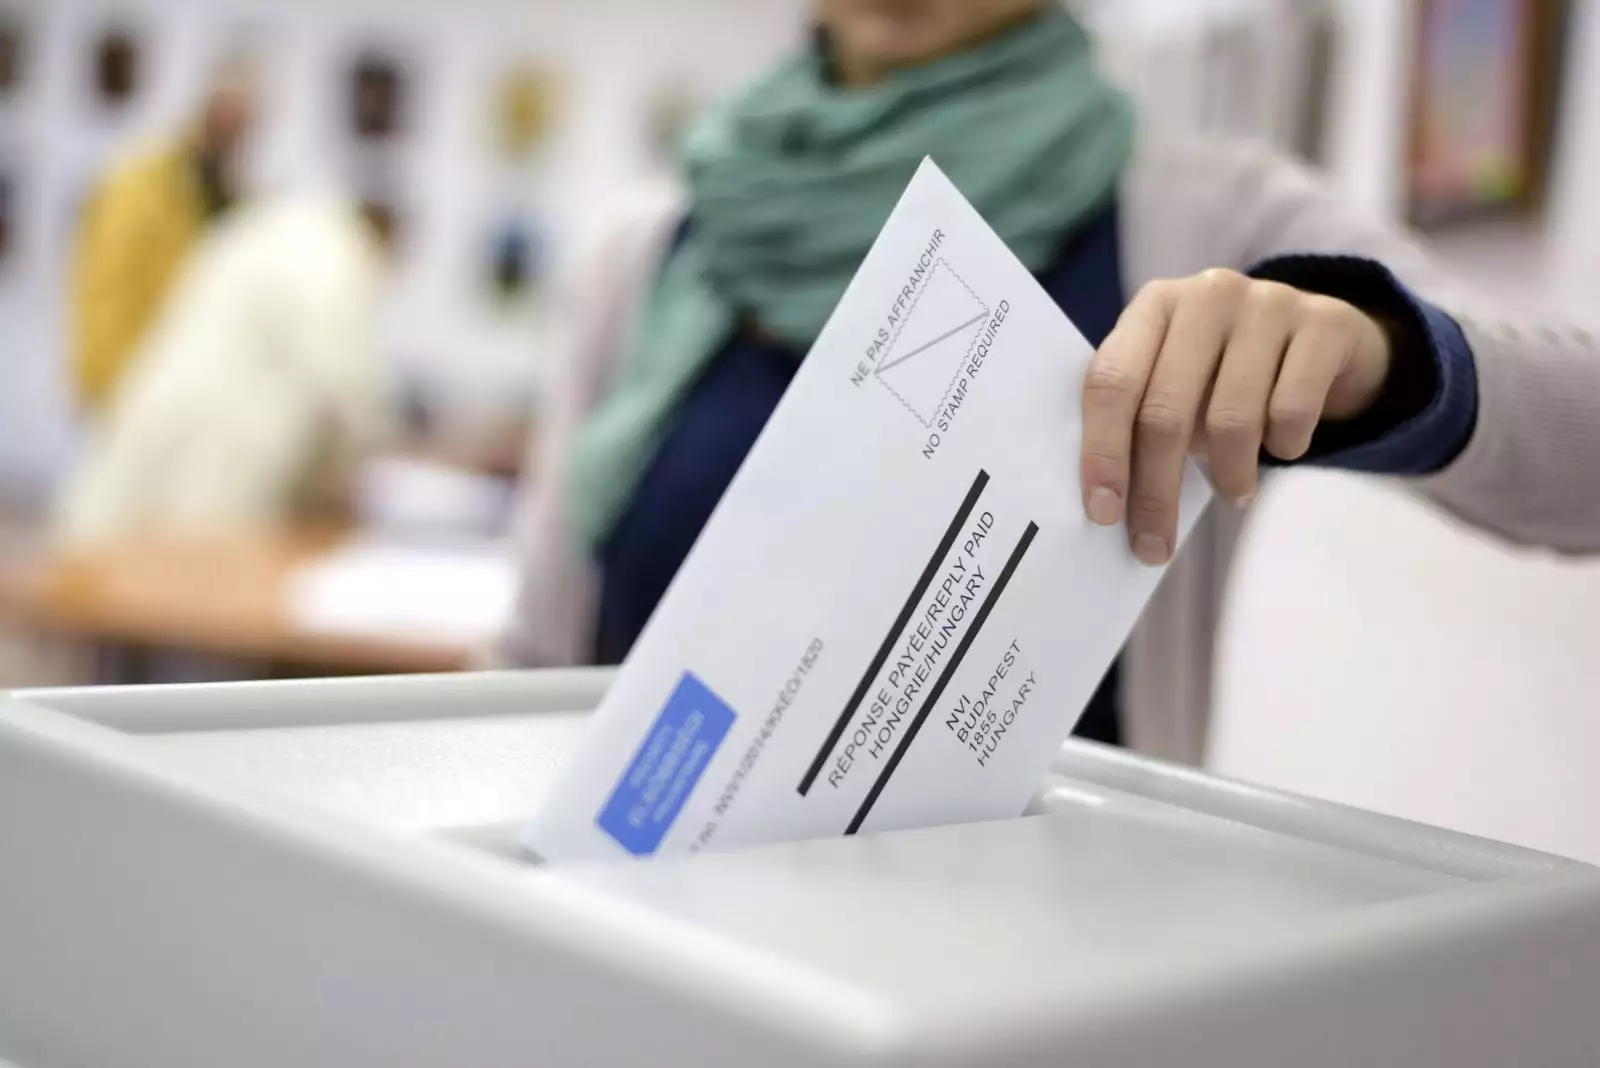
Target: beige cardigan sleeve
552,624
1531,470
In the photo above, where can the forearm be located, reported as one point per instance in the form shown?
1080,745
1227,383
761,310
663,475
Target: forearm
1516,421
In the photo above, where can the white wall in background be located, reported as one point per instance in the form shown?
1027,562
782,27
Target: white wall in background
1366,99
1366,131
1574,209
441,323
1232,67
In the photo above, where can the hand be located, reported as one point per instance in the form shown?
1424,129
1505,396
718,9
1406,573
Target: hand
1219,365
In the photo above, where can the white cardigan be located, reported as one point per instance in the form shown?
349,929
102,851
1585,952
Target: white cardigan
258,377
1531,471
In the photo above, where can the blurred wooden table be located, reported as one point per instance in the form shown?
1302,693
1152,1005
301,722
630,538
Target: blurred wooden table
221,597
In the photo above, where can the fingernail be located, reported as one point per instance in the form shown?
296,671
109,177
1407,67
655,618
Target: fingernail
1244,500
1151,549
1105,506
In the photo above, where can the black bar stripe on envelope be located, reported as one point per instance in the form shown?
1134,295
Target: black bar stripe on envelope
952,532
944,679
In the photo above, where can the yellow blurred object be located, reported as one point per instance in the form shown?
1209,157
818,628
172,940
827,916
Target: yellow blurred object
527,105
132,239
258,390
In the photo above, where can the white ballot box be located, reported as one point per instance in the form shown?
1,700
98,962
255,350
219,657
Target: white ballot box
327,874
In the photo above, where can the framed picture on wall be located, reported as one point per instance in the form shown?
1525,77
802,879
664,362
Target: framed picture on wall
1486,79
8,216
525,108
13,49
385,218
377,96
116,65
516,259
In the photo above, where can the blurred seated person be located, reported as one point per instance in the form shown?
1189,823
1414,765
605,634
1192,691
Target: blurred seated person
258,391
139,225
1239,309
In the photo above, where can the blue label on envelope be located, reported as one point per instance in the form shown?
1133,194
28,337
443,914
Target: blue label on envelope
666,767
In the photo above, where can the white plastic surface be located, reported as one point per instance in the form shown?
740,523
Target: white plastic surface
204,887
1378,654
397,776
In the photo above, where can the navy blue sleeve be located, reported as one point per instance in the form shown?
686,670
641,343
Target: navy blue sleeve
1428,407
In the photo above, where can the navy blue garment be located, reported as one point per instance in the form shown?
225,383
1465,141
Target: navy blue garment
720,417
1421,421
1428,407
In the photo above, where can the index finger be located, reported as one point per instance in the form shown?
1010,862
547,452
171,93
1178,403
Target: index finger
1112,392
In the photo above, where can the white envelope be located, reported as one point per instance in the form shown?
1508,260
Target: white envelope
899,609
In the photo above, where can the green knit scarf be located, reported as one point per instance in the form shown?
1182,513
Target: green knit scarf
791,181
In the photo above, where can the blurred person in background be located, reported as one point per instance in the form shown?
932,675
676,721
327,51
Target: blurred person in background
1239,310
256,393
139,225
